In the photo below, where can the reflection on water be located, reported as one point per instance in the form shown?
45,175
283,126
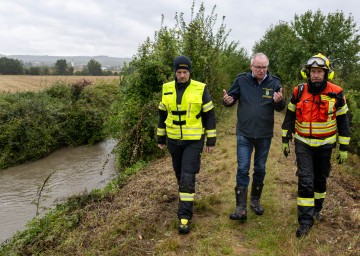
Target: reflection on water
75,170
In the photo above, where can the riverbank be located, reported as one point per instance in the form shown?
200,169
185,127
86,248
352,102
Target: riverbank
71,171
35,124
140,217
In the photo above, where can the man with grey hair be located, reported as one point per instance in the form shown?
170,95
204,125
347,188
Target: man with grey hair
258,94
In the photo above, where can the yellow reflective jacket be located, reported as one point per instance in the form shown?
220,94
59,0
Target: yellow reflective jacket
184,120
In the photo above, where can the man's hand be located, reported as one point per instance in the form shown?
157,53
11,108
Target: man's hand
228,100
278,96
342,156
286,149
162,146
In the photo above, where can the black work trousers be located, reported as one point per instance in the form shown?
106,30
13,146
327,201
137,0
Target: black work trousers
186,159
314,166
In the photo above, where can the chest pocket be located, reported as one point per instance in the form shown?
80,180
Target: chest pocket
193,107
326,108
316,109
303,110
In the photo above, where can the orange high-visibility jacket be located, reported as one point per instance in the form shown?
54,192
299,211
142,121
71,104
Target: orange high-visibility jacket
315,117
316,114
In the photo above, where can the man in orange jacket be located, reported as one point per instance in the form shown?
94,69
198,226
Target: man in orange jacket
316,114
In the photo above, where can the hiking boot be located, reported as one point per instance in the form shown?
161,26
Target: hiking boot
184,226
239,214
256,207
318,217
302,231
256,190
241,201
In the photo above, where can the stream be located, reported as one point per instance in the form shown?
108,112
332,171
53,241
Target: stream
71,170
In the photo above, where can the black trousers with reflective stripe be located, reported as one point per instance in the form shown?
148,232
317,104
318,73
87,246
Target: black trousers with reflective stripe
186,159
314,166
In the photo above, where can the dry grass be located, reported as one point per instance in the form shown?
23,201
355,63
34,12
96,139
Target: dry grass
141,219
22,83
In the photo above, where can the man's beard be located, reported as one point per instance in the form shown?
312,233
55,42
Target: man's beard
316,87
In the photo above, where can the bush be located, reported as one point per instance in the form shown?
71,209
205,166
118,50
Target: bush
35,124
353,99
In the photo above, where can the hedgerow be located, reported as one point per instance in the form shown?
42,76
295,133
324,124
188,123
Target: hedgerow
34,124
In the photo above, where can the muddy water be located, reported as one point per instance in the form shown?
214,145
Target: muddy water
75,170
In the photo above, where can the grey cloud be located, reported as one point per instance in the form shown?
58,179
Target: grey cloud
117,28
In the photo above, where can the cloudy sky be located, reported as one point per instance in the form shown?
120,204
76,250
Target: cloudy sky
117,27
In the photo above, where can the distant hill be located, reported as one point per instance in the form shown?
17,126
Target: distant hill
46,60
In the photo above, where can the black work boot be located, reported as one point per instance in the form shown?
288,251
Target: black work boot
256,190
184,226
241,201
318,207
318,217
303,230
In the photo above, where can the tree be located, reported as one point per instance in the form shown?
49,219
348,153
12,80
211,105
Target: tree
34,71
333,35
94,68
11,66
290,45
45,70
61,67
134,125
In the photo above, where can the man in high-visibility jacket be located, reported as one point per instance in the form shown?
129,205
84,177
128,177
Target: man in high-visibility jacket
186,118
318,116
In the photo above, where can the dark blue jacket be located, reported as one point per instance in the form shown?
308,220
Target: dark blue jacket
255,113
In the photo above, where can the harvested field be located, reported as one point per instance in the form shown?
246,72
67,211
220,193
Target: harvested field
22,83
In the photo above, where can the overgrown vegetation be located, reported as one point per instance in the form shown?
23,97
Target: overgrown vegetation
34,124
353,100
215,63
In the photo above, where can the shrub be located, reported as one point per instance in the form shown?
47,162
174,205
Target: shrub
353,99
34,124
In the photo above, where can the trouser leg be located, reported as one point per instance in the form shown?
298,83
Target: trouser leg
262,147
244,151
322,169
186,196
190,166
176,157
305,197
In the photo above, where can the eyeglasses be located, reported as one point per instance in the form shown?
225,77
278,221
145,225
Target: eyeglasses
259,67
316,61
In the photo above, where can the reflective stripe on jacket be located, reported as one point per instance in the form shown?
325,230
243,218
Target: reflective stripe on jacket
316,116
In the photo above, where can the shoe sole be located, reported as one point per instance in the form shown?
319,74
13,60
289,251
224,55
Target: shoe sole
241,218
184,232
